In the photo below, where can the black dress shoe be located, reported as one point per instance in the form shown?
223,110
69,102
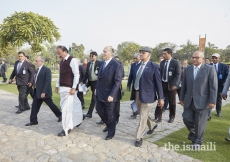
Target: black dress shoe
105,129
78,125
151,131
171,120
196,146
88,116
157,120
19,111
138,143
83,117
227,139
191,135
100,122
133,116
59,118
209,118
108,138
62,133
31,123
17,107
218,114
27,109
167,108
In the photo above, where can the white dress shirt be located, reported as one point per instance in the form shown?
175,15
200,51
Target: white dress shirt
75,69
36,75
196,72
107,62
216,66
167,70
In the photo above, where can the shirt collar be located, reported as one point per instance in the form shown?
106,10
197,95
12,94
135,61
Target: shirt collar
21,61
216,64
107,61
66,58
40,67
198,66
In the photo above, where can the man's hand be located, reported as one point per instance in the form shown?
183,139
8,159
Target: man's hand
57,90
29,84
182,103
110,99
224,96
128,88
10,81
211,106
72,91
161,103
43,95
174,88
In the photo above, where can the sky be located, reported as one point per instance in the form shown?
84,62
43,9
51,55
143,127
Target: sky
99,23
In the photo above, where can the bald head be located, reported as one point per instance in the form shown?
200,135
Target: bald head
197,58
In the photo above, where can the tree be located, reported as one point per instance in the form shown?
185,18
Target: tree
126,50
186,51
211,49
158,50
8,54
77,51
22,27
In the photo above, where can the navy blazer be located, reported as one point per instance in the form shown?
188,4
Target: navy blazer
150,83
109,81
222,75
23,79
43,83
132,77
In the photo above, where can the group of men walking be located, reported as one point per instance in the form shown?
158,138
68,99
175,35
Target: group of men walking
148,81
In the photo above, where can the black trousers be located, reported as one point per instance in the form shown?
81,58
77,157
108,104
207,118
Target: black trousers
31,91
37,104
107,112
218,102
171,99
93,98
81,98
117,106
22,98
4,77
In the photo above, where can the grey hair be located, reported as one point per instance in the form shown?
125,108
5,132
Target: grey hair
200,53
41,58
136,55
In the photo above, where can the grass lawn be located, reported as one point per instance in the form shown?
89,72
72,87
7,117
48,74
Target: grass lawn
56,98
216,131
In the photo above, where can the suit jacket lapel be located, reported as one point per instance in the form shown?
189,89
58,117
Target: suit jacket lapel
200,71
107,66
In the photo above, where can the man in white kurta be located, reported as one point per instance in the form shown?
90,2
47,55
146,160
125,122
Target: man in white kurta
66,86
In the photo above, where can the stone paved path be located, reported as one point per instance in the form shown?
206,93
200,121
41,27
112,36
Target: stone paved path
40,143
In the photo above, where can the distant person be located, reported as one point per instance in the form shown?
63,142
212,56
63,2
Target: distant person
80,95
184,65
222,74
42,92
3,71
66,85
131,79
24,73
119,94
85,62
30,90
197,97
90,79
147,84
207,61
107,88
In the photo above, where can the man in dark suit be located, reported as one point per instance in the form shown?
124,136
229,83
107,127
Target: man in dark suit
42,92
3,71
80,95
198,95
30,90
91,75
132,74
147,83
24,73
107,89
171,75
222,74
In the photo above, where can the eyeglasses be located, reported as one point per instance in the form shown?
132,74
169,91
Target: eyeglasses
91,56
196,58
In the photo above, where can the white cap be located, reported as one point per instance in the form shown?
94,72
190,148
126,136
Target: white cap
216,55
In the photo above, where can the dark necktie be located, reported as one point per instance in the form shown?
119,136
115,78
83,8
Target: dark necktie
215,69
165,70
19,66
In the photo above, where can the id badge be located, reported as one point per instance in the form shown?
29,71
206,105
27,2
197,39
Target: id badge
96,71
220,76
170,73
24,71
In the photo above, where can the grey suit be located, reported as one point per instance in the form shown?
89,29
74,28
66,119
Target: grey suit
226,85
197,94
